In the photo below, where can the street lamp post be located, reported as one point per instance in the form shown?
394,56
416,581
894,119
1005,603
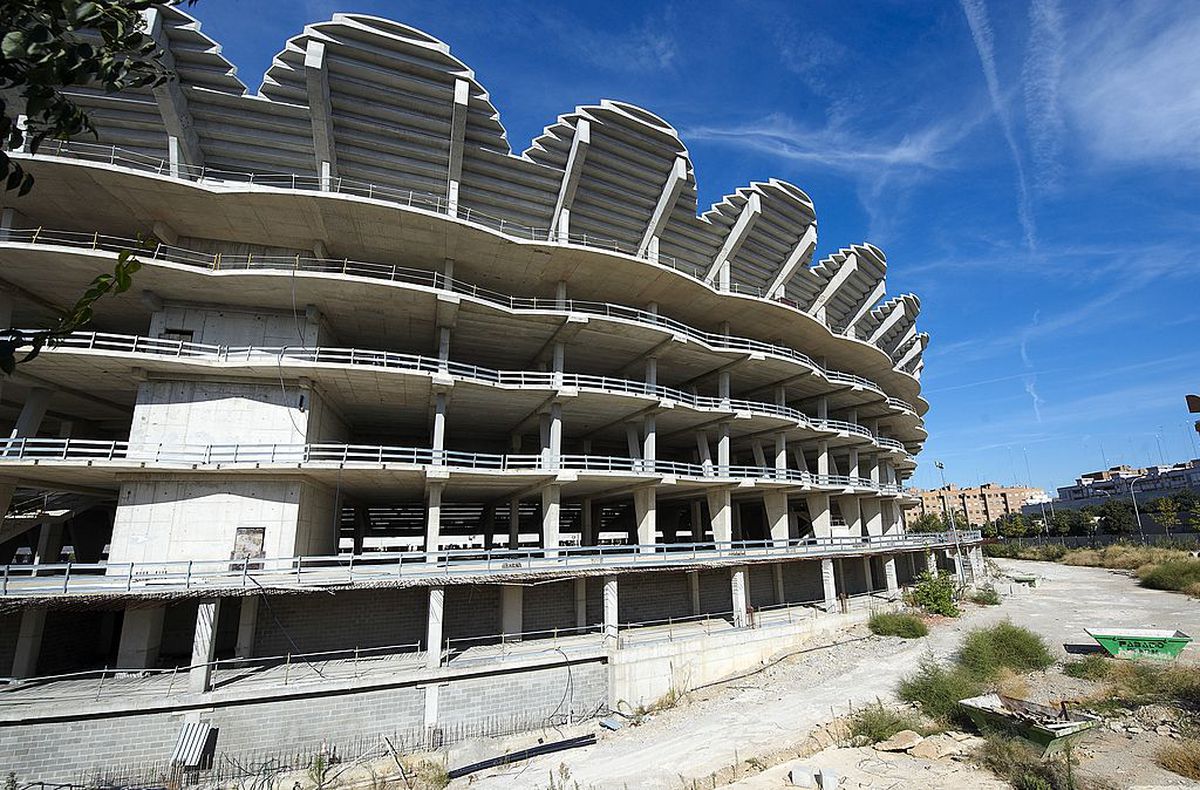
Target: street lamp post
1137,514
958,566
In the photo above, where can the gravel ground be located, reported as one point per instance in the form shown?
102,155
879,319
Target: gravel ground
768,712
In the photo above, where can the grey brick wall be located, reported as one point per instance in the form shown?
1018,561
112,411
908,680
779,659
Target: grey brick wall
549,606
852,576
716,591
802,581
362,618
645,597
762,585
73,641
472,610
81,749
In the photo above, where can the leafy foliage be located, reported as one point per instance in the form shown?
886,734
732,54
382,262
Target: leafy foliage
986,651
937,689
986,596
928,522
1116,517
935,594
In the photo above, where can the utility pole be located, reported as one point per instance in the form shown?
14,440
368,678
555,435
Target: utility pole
1136,513
953,529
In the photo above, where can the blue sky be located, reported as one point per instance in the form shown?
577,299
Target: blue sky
1031,168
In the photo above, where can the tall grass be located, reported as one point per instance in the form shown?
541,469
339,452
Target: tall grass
876,723
900,624
1021,765
937,689
1175,574
1157,567
1180,757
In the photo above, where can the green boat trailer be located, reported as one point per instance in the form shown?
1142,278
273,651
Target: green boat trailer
1050,729
1140,642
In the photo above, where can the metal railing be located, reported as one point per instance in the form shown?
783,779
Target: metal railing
384,567
390,360
425,201
89,451
220,262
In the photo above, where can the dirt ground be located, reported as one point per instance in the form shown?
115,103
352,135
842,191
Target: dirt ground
762,717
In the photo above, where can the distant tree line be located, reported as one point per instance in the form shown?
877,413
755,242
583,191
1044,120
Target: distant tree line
1174,513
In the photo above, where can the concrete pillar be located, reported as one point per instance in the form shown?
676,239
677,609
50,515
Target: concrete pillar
514,523
581,602
823,460
723,380
702,450
646,513
959,570
818,509
854,468
587,518
737,579
723,449
433,627
553,451
649,441
141,638
32,412
50,543
775,503
852,513
781,455
694,589
29,642
889,575
720,514
610,607
204,646
829,581
868,574
512,611
247,625
433,522
439,428
697,517
777,568
551,500
872,516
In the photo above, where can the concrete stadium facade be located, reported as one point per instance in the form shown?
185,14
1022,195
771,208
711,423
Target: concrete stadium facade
384,386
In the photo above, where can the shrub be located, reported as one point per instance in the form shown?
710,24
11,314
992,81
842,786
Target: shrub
1180,757
986,596
1177,575
1016,761
938,689
897,624
935,594
876,723
985,651
1093,666
1135,683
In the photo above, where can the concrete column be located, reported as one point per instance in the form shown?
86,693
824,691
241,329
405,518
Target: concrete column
488,526
868,574
551,498
775,503
737,579
50,543
433,522
723,449
29,642
694,589
32,412
247,625
705,456
512,611
854,469
646,513
433,627
141,638
720,514
777,568
781,455
587,520
697,517
889,575
554,448
852,513
204,646
829,581
959,570
823,458
649,440
822,408
723,380
581,602
818,509
439,428
610,607
872,516
514,523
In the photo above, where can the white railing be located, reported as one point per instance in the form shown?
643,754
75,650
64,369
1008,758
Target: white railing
390,360
40,451
382,568
435,280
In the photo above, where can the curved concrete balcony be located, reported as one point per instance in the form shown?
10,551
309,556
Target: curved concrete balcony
168,357
224,264
424,568
90,460
226,181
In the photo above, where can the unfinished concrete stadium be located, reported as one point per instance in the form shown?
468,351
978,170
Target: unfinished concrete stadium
401,433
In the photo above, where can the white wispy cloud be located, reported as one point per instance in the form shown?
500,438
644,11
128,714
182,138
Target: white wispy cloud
1041,75
1132,88
981,34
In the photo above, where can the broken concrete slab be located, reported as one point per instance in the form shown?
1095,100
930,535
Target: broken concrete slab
900,742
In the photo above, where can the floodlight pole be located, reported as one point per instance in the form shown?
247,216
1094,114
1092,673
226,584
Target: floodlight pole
958,566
